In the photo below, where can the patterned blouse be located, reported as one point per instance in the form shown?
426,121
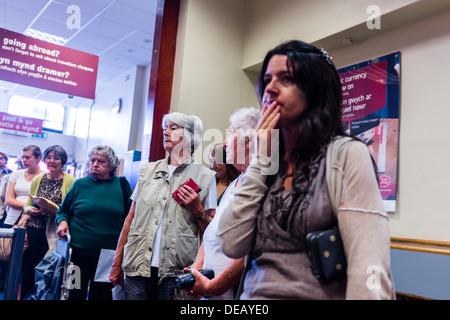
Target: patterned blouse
50,189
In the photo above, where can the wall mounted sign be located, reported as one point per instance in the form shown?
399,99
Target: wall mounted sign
370,110
45,65
14,122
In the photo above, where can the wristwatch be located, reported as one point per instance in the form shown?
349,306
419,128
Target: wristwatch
202,217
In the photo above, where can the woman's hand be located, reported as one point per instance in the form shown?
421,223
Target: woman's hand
63,229
23,221
191,200
33,211
116,275
202,286
266,137
267,122
269,116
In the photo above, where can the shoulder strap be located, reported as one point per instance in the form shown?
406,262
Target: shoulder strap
123,186
333,172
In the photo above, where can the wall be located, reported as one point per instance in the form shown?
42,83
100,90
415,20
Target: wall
208,79
93,123
423,185
121,131
13,144
271,22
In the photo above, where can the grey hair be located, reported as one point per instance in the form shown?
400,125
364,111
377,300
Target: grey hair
109,153
245,119
191,123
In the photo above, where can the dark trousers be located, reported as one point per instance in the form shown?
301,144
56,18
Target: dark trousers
142,288
89,290
37,248
3,264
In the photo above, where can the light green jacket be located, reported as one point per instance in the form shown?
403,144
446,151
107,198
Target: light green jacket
180,237
67,183
50,231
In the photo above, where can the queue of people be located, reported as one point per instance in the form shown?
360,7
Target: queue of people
248,224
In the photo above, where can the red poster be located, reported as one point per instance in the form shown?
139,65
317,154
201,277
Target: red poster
45,65
370,111
18,123
363,91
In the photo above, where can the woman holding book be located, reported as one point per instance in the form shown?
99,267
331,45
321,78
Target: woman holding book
41,227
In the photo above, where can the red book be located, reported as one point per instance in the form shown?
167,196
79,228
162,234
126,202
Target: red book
189,182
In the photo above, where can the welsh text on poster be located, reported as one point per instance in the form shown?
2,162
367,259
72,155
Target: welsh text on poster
45,65
370,110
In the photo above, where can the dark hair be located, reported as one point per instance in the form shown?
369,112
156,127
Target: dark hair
4,156
58,150
219,152
35,150
314,73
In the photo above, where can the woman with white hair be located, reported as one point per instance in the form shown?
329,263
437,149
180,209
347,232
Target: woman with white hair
161,236
227,271
93,212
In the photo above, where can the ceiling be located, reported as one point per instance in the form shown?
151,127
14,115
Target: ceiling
120,32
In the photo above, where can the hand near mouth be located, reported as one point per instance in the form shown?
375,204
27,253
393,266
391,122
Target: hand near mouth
270,116
266,132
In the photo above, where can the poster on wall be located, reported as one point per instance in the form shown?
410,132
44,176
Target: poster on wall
370,110
36,63
17,123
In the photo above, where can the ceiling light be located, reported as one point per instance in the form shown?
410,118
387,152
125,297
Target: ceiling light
45,36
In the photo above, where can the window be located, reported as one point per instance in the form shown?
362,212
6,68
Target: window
52,113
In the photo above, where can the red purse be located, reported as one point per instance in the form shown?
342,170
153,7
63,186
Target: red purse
189,182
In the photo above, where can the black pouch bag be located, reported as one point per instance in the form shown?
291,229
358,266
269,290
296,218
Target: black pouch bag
327,256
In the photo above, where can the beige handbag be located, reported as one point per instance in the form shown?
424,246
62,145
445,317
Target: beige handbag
6,244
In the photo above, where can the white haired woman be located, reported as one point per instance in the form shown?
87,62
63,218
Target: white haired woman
227,271
161,236
93,212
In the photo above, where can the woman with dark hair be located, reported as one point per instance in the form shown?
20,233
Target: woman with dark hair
41,227
93,213
270,217
225,172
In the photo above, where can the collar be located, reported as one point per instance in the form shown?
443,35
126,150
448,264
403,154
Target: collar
95,179
164,165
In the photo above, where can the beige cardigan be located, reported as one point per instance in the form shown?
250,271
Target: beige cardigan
362,220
